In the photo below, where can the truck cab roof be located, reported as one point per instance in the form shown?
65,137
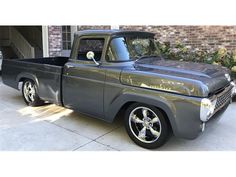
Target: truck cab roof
112,32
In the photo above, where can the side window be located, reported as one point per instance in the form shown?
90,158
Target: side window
95,44
110,55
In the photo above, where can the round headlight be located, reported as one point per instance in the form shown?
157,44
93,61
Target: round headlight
228,77
207,109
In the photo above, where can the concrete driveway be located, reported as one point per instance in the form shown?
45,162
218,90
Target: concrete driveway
51,127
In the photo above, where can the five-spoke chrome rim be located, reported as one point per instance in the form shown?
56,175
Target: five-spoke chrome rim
29,91
145,124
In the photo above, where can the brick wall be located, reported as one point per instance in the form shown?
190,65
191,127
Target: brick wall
55,40
205,37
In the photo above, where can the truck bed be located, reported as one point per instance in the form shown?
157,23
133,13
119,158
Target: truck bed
53,61
46,73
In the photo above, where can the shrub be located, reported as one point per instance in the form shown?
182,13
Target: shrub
178,51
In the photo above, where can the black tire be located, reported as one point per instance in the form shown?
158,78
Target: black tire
36,101
162,125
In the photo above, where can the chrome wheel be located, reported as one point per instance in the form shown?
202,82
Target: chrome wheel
144,124
29,91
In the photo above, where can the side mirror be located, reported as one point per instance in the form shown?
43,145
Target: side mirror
90,56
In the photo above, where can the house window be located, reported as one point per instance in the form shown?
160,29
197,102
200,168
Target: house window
66,37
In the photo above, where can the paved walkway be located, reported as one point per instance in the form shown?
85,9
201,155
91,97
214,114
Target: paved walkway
51,127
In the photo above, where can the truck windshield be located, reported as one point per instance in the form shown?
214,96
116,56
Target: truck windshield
130,48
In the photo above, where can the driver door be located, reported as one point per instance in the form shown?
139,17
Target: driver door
83,80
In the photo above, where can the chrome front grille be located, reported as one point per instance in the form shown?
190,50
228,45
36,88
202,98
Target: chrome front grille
223,98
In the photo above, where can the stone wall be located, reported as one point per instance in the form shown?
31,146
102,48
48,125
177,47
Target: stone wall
205,37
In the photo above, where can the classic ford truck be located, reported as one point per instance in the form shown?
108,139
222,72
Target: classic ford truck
112,71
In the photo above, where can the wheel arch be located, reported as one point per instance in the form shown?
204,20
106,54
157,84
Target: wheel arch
23,76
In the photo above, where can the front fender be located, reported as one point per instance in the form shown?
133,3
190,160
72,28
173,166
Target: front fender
135,96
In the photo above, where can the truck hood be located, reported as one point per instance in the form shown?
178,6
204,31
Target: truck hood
187,78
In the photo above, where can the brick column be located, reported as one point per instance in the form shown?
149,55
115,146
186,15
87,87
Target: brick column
55,40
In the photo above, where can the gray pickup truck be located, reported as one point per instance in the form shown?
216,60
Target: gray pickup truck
112,71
